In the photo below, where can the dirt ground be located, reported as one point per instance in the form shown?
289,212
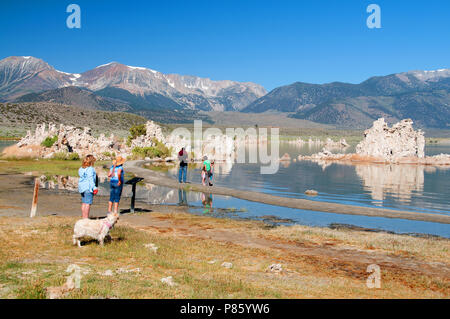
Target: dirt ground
316,262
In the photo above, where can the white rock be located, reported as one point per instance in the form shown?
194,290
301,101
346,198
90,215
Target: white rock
276,268
126,271
152,247
227,265
107,273
311,192
391,143
168,281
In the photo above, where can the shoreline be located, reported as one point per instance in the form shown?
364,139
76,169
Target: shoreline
315,261
71,198
156,178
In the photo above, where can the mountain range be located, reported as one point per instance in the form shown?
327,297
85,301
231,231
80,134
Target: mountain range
116,86
423,96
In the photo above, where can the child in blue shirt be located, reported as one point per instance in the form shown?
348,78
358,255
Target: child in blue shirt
116,183
86,184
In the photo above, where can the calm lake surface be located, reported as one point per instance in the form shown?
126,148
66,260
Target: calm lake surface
4,144
402,187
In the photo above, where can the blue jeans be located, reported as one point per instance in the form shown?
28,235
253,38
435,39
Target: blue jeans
182,172
115,193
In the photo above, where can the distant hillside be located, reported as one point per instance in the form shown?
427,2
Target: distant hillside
22,116
423,96
153,106
427,109
77,97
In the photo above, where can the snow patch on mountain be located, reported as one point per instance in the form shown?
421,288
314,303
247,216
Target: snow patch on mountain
428,75
102,65
136,67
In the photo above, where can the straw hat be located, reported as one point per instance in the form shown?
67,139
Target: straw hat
119,161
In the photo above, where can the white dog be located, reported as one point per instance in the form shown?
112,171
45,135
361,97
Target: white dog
94,228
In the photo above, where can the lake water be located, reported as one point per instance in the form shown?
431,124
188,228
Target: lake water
404,187
4,144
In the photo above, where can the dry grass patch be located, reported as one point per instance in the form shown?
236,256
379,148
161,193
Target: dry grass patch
35,254
427,249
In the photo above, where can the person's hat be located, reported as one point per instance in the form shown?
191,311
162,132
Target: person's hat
119,161
205,158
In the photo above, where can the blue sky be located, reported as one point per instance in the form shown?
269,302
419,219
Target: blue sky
272,43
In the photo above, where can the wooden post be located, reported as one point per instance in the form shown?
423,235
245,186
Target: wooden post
35,198
133,198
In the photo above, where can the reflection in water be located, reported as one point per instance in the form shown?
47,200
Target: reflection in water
182,197
207,203
400,181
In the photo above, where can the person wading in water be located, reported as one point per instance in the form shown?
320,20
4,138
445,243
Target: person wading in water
206,171
182,171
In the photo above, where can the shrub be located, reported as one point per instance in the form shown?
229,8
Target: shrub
73,157
49,141
64,156
109,154
135,131
158,150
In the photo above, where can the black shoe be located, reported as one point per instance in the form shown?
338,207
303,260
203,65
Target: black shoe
210,184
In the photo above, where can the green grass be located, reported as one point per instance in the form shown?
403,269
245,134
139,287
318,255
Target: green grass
47,167
65,156
9,138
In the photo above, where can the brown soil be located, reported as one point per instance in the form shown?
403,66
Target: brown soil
357,258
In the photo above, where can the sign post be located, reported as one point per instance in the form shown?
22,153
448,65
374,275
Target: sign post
35,198
133,183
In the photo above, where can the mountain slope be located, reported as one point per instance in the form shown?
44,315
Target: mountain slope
23,75
423,96
22,116
152,106
77,97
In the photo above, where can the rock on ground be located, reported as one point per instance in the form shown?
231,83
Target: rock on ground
227,265
276,268
311,192
152,247
168,281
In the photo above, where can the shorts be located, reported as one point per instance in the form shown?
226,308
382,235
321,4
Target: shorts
87,197
115,193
